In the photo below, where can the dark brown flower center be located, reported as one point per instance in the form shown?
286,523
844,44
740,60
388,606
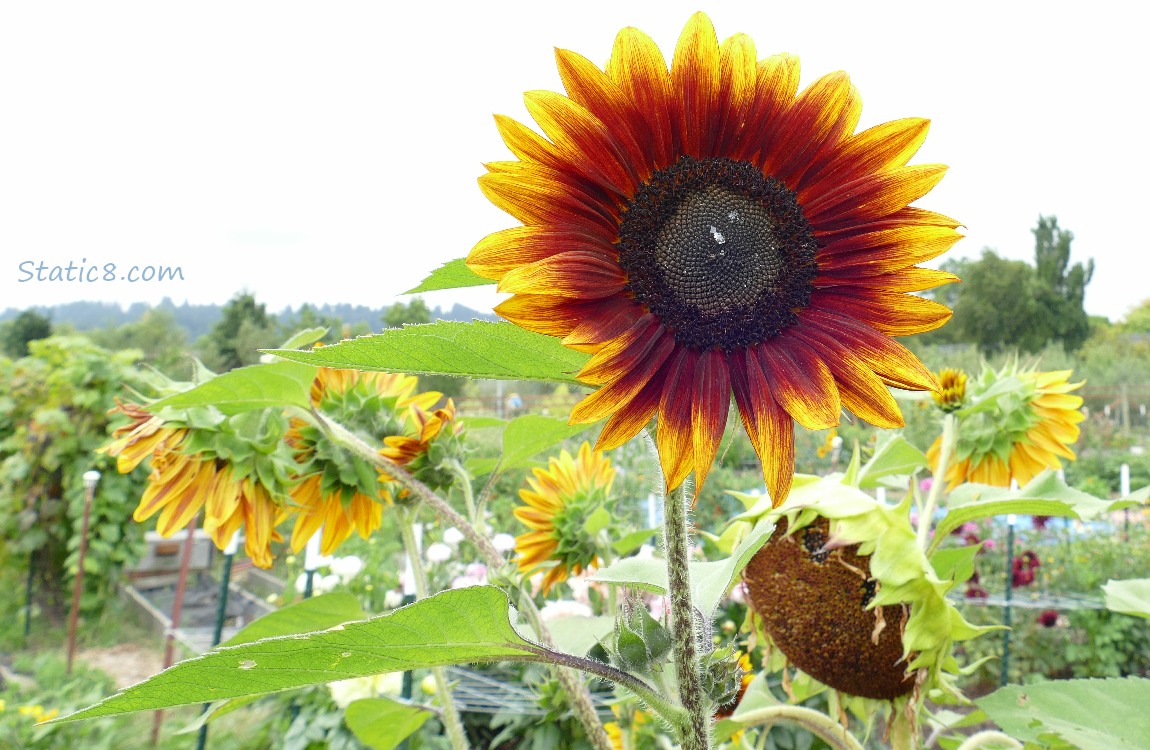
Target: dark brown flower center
719,251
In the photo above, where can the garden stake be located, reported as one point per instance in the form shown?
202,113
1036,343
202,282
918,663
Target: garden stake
1010,519
91,479
1124,492
28,596
177,610
221,611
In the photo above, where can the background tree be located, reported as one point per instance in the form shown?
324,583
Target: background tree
413,312
25,327
157,335
1062,287
244,327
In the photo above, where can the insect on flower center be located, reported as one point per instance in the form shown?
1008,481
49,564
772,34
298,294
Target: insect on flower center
719,251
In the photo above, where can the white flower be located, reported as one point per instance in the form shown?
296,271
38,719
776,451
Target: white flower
393,599
325,584
564,608
453,536
346,568
301,583
503,542
438,552
344,692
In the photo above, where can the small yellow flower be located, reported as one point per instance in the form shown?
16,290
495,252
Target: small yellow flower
951,394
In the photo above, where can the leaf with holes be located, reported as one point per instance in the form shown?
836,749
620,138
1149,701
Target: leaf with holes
454,627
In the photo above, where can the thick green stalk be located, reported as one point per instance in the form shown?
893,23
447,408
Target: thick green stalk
945,450
451,721
684,636
815,722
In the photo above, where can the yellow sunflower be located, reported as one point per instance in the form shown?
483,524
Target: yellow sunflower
337,491
1028,429
425,427
186,477
559,500
709,230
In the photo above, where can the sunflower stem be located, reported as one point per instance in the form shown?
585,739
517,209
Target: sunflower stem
569,679
926,516
817,723
451,721
465,484
696,735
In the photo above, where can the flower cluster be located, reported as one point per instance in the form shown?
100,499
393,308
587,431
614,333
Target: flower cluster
258,470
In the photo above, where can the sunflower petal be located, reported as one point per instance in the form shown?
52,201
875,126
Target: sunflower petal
709,406
638,68
800,382
673,438
577,274
584,141
768,425
872,197
608,399
695,75
822,115
882,147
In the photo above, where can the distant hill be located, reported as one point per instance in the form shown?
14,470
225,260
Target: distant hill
197,320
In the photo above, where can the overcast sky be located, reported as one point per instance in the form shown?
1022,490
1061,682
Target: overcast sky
327,152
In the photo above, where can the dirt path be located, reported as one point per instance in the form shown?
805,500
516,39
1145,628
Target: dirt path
126,663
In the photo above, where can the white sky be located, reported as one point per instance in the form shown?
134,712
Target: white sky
327,152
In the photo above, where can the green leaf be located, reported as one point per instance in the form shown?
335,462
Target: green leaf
1090,714
306,337
955,564
453,627
304,616
893,457
1130,597
634,540
710,581
577,634
381,723
597,520
483,423
531,434
272,385
1045,495
454,274
500,351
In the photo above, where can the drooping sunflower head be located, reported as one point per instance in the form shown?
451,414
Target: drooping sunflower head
339,491
845,592
708,230
951,393
144,435
561,503
1019,423
428,448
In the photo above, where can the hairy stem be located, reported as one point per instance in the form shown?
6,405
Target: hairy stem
465,484
570,680
990,739
926,517
451,721
685,639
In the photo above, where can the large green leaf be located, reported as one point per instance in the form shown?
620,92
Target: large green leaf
479,349
381,723
453,627
454,274
710,581
304,616
1090,714
1130,597
531,434
894,457
275,385
1045,495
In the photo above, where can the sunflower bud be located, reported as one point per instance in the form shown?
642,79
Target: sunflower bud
722,675
640,642
951,395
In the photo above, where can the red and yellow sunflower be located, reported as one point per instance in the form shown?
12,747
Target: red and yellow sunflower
709,230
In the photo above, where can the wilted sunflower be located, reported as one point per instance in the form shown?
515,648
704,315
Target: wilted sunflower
413,450
559,502
708,230
1031,424
341,492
